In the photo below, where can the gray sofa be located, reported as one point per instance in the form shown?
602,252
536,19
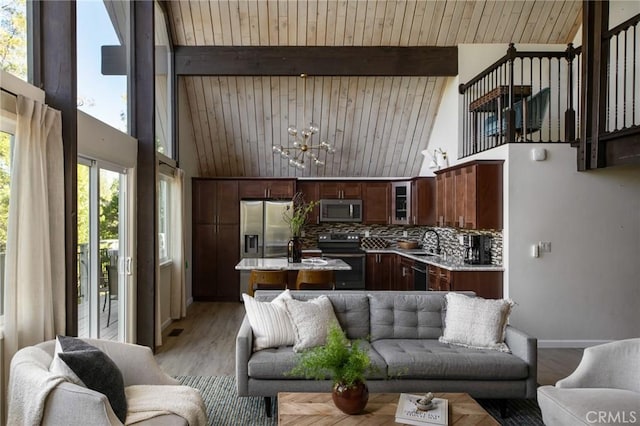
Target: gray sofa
401,331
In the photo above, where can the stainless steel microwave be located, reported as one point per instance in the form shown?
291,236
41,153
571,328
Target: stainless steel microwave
338,210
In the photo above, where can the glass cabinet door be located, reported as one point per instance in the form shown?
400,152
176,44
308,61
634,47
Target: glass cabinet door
401,203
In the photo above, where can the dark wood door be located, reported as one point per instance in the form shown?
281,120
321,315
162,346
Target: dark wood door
252,188
204,261
375,202
281,189
351,190
329,190
487,284
423,201
204,201
440,199
310,192
227,202
449,199
227,256
404,276
380,271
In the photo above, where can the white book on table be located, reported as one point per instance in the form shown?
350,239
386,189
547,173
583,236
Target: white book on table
408,413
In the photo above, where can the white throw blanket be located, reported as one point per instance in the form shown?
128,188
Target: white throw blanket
148,401
29,386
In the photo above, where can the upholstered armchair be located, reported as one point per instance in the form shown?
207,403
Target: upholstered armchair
70,404
604,388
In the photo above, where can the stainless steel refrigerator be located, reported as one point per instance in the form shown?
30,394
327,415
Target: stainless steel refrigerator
263,232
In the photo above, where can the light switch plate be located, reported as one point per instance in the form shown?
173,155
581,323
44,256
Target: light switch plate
405,233
545,246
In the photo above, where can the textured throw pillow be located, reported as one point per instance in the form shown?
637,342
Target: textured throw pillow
86,365
311,321
269,321
475,322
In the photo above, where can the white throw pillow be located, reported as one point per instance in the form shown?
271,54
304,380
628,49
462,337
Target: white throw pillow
475,322
311,321
269,321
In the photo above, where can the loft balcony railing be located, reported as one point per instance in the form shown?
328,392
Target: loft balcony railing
623,79
522,97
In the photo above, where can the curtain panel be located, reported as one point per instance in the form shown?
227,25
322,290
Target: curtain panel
34,272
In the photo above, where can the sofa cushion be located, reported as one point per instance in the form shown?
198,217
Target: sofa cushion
311,321
398,316
430,359
584,406
476,322
351,309
94,369
275,363
270,322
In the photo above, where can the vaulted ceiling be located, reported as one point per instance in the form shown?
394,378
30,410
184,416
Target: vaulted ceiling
378,125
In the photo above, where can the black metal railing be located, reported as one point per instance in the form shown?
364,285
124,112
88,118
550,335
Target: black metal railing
623,77
522,97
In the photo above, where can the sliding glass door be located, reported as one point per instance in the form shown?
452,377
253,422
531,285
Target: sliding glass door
103,262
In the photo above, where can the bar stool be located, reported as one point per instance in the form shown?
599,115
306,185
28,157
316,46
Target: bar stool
309,279
267,280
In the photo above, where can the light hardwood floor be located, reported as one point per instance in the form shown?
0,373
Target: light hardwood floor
206,346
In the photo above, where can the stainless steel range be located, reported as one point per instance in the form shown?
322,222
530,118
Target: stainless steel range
345,246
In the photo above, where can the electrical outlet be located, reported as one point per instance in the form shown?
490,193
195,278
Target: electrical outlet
545,246
405,234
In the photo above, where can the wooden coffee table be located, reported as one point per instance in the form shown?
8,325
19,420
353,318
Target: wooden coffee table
318,409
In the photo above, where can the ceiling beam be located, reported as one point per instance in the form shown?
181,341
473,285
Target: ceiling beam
316,60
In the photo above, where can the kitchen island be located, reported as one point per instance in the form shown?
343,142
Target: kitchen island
282,264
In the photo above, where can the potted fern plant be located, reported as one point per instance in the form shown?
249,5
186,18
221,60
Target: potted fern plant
345,362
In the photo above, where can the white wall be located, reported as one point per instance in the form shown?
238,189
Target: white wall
586,289
188,163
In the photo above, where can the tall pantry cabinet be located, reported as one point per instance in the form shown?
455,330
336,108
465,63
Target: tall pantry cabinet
216,240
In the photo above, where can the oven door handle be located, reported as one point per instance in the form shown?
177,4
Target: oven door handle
339,255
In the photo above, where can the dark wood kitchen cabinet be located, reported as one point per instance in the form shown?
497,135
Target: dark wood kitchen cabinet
375,203
401,203
487,284
404,274
340,189
469,195
423,201
310,192
267,188
216,240
380,273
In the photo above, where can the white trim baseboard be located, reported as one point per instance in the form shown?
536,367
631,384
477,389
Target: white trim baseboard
547,344
166,324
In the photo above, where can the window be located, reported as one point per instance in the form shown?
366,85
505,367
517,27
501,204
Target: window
6,140
164,219
13,37
163,86
103,64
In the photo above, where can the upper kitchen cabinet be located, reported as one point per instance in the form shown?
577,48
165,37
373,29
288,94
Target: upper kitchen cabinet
401,203
469,195
376,203
310,192
267,188
215,201
345,190
423,201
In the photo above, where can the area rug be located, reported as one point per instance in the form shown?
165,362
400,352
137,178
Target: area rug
225,408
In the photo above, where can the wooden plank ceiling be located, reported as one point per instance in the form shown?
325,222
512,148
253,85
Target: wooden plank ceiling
378,125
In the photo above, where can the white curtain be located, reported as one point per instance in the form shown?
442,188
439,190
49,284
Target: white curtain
34,272
178,275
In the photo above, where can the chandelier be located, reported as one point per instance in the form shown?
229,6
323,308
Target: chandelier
297,152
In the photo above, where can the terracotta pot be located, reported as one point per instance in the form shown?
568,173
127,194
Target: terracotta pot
351,400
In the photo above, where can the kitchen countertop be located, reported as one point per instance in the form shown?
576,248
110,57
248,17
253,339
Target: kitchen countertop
281,263
435,260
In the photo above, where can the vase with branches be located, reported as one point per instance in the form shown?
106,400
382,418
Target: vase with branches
297,215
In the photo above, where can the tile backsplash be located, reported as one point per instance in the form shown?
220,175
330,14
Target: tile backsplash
449,241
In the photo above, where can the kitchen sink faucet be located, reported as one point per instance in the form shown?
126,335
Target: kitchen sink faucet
437,238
